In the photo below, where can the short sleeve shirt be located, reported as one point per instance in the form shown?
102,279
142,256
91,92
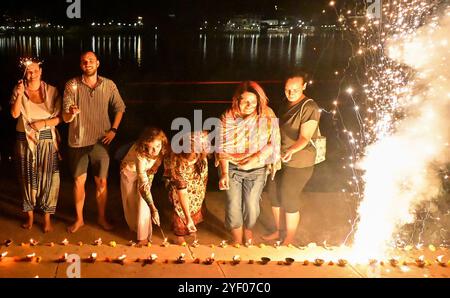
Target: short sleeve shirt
291,120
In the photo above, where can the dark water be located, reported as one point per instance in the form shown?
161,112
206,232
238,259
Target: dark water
158,75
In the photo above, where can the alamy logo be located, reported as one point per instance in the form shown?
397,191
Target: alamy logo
74,269
374,9
74,9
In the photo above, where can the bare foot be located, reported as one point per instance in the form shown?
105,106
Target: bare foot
28,225
248,234
273,236
105,225
73,228
48,228
142,242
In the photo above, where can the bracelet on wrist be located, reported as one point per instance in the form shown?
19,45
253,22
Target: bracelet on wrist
114,130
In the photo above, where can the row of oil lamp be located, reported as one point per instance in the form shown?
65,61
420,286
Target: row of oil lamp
165,243
93,257
195,244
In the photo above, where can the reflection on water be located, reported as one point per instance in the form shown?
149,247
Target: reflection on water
185,57
27,46
253,46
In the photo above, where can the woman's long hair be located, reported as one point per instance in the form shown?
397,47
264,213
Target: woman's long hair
149,135
255,88
200,155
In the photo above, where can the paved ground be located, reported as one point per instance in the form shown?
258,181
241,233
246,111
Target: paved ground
325,217
332,228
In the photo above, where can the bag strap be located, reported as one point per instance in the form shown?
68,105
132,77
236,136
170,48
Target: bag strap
318,128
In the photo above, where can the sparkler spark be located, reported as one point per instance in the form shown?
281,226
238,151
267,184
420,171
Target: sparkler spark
402,140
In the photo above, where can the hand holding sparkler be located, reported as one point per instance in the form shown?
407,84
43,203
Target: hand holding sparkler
25,63
74,109
155,217
20,89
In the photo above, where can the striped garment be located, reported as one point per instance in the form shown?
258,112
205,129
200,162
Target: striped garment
241,138
93,122
38,172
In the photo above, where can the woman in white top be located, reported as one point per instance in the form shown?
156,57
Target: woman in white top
37,106
136,175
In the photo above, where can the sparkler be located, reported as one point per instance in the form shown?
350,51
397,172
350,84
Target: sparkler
25,63
400,101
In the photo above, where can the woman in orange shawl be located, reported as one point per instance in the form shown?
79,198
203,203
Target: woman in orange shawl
248,150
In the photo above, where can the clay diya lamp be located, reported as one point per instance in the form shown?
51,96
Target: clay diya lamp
265,260
289,261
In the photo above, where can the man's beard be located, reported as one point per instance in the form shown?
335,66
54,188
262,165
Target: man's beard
89,73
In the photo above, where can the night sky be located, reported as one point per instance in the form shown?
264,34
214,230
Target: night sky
184,10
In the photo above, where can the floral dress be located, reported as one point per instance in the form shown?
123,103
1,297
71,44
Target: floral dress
193,177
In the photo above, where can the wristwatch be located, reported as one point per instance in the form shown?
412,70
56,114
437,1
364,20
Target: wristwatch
114,130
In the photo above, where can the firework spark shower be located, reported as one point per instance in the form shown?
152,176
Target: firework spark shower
410,125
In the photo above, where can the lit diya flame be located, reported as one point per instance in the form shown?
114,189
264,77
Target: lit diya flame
223,244
30,257
33,242
277,244
121,259
420,261
195,244
93,257
153,257
249,243
3,255
65,242
210,260
131,243
236,259
440,260
181,258
8,242
63,258
98,242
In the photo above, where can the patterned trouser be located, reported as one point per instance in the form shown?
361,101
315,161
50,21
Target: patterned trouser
38,173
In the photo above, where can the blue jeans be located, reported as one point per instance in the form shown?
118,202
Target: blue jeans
243,197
